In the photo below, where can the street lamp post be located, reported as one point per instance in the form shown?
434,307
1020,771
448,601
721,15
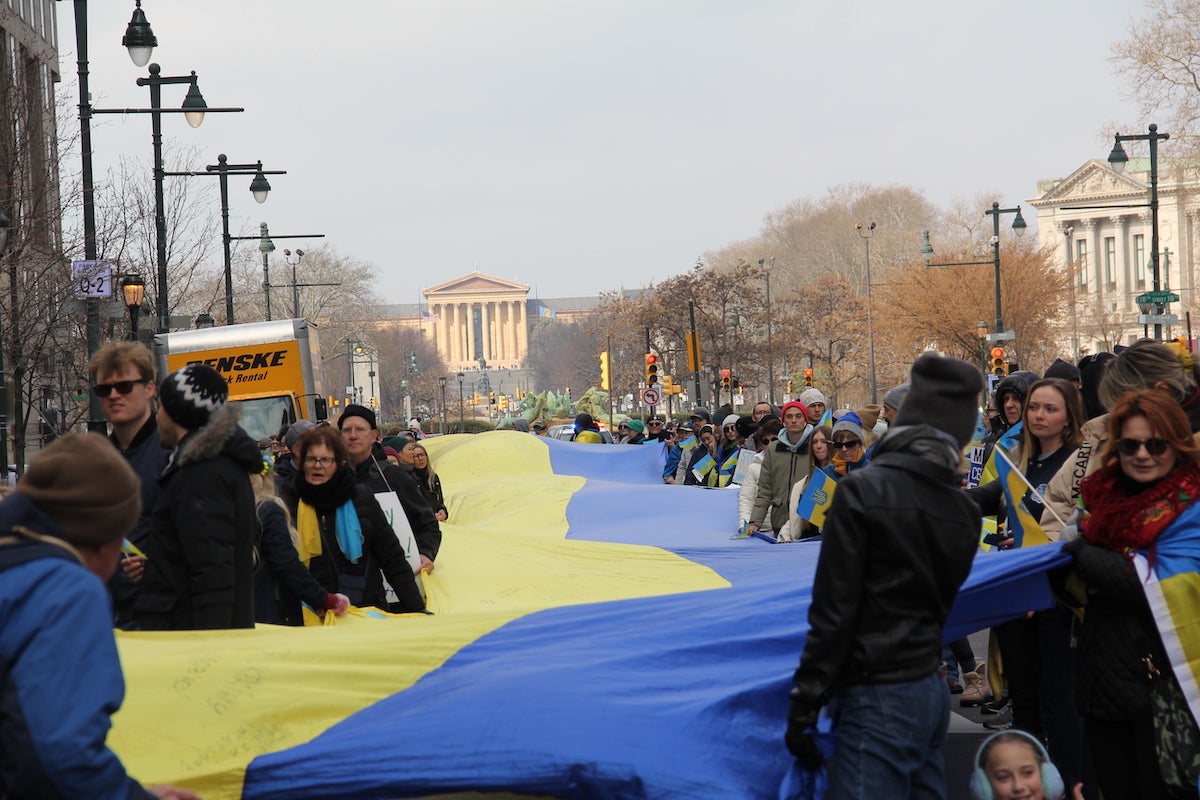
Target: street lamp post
287,257
462,417
1118,159
133,287
266,247
866,232
259,188
442,386
1018,226
770,349
193,109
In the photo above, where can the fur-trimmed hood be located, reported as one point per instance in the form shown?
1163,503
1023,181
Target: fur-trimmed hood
221,435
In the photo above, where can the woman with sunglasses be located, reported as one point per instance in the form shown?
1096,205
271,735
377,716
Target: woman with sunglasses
1150,476
345,539
431,484
848,453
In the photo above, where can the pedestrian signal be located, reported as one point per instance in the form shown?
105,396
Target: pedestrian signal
999,364
651,370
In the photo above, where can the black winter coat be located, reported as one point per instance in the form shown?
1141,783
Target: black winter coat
199,555
899,540
1117,636
380,475
281,581
361,582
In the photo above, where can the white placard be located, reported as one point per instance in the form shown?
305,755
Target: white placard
394,513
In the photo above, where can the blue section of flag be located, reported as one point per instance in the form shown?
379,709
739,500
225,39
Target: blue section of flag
816,498
630,698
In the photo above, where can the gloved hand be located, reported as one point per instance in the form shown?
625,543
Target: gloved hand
799,738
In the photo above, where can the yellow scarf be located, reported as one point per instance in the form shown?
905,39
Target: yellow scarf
309,531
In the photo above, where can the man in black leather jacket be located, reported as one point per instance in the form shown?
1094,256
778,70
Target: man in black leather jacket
899,540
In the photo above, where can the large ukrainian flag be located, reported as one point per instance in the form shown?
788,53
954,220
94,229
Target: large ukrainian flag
597,634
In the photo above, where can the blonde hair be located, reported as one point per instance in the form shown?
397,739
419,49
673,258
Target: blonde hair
1144,365
264,492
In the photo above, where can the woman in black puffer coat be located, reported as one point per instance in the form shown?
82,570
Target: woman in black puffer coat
345,537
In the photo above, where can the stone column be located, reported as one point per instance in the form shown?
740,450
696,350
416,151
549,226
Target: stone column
512,332
485,326
452,338
469,309
522,332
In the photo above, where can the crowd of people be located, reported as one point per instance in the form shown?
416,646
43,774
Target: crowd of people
189,524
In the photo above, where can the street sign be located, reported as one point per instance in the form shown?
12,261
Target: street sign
1002,336
92,279
650,396
1157,297
1158,319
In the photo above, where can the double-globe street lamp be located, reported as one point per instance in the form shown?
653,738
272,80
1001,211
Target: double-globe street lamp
266,246
193,109
1018,227
259,188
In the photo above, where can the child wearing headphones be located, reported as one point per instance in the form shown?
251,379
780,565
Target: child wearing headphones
1013,765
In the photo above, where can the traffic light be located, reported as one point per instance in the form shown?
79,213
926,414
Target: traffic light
790,385
491,398
374,403
605,375
504,402
808,377
725,380
651,370
999,365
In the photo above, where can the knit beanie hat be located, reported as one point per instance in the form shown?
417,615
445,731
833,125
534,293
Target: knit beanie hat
637,425
945,394
1091,370
1062,369
355,410
812,395
190,394
746,426
87,486
296,430
794,404
848,424
894,397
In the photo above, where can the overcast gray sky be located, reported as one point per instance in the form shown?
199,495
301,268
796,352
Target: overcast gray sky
580,147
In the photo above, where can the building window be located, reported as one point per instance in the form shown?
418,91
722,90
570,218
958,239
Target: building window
1139,260
1082,259
1110,261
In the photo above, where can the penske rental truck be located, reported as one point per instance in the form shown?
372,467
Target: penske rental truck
273,369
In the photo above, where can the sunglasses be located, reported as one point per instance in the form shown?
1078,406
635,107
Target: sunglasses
845,445
654,422
122,387
731,427
1130,447
768,441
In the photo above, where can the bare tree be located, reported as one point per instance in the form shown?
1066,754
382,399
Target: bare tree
1159,65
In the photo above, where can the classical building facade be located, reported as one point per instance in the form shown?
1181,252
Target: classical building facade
1106,247
478,317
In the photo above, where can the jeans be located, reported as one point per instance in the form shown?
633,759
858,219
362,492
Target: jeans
889,740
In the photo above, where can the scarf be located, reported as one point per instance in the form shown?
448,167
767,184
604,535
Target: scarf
1124,516
336,495
841,465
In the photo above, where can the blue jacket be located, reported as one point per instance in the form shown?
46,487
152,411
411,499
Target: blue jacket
60,678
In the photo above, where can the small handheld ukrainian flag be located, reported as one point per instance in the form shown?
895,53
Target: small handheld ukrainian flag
816,498
703,466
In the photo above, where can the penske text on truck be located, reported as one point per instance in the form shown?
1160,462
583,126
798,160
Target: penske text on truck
273,368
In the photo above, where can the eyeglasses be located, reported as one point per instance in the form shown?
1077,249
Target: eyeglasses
325,461
1130,447
122,387
654,422
846,445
